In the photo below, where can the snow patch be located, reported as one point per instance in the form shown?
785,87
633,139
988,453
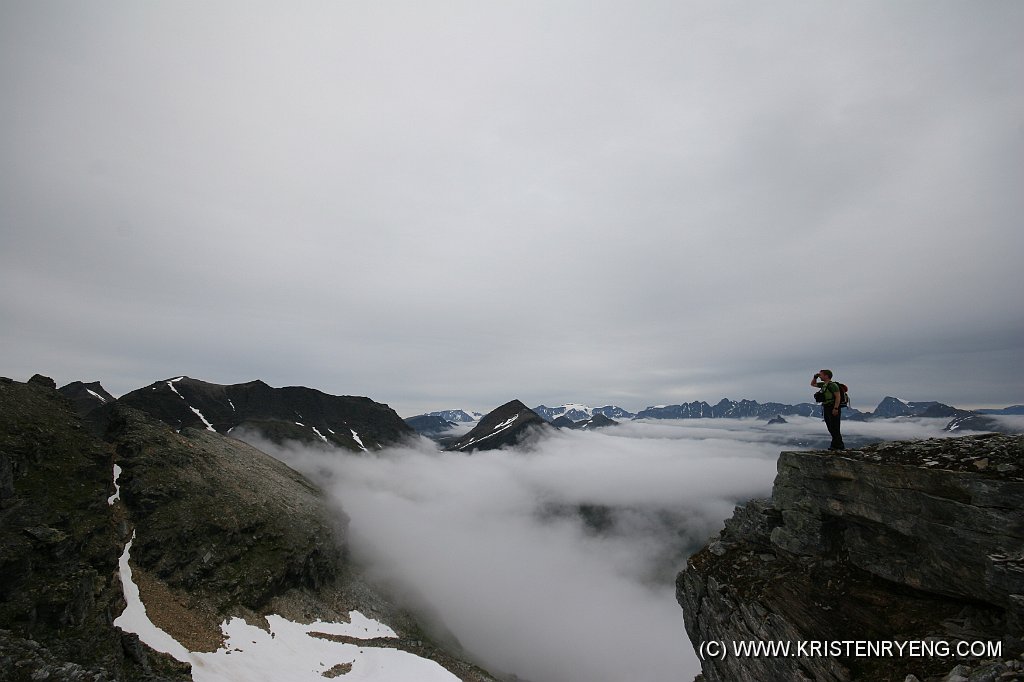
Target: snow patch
117,488
293,651
288,651
504,425
357,439
322,437
209,426
96,395
497,429
136,620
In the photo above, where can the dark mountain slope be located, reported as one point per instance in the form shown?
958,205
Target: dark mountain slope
501,427
59,545
218,518
86,397
223,529
278,414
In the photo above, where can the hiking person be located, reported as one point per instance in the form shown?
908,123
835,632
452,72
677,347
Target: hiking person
830,406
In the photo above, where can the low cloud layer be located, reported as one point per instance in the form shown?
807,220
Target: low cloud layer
556,561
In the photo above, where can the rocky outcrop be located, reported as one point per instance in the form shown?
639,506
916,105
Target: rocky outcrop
504,426
897,542
86,397
59,545
292,413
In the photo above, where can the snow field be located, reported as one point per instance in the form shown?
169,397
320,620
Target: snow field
286,651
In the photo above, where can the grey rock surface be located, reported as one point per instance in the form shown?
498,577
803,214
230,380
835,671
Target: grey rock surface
909,541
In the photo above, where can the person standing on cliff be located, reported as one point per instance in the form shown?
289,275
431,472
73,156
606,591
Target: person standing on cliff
830,408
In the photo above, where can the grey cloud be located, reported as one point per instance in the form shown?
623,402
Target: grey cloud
473,202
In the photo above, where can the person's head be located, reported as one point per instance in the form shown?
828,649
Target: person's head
825,374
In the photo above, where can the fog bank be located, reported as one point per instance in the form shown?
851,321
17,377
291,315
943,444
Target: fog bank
556,561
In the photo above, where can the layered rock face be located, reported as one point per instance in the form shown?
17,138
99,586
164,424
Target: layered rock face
894,543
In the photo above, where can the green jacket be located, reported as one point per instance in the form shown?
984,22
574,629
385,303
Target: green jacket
830,389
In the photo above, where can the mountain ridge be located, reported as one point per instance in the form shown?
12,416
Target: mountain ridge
91,395
290,413
217,529
888,408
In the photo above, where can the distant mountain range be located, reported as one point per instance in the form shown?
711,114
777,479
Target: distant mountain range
456,415
578,415
888,408
358,423
1013,409
577,412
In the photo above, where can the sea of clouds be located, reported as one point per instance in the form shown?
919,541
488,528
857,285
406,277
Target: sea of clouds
556,560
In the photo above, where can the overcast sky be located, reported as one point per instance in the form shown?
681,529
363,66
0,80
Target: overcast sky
453,204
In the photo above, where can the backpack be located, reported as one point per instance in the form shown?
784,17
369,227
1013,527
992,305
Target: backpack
844,395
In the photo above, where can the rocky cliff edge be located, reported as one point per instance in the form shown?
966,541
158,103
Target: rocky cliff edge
898,561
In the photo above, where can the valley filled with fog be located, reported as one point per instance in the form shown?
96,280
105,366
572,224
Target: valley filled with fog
556,560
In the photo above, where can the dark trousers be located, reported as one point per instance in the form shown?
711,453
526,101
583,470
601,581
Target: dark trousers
832,423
